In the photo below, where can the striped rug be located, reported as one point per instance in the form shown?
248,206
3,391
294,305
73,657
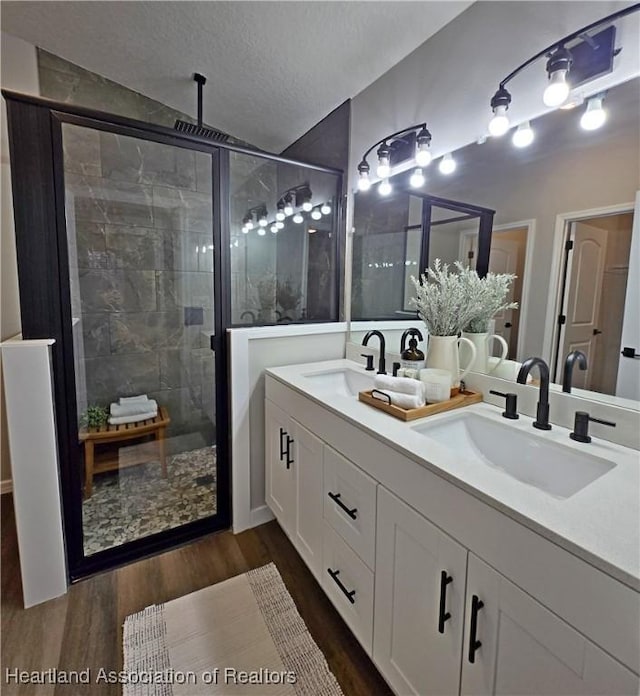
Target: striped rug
241,636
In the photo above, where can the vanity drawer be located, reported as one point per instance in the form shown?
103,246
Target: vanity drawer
349,585
350,504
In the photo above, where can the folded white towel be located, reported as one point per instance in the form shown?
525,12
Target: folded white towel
132,399
120,420
133,408
401,400
402,385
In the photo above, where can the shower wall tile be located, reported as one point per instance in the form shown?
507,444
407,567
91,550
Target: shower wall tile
81,149
176,209
99,200
91,245
95,335
203,172
184,251
184,412
117,291
144,162
175,368
113,376
140,248
190,289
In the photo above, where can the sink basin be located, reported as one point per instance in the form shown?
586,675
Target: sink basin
344,382
551,467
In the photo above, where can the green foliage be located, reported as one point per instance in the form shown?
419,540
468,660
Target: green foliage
95,416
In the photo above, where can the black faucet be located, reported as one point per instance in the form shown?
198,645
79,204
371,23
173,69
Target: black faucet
542,411
365,341
409,332
574,355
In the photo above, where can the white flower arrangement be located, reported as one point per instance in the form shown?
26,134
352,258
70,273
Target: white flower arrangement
449,302
443,301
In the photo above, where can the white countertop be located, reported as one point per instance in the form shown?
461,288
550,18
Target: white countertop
600,523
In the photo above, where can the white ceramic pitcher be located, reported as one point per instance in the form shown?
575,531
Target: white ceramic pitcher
443,352
483,343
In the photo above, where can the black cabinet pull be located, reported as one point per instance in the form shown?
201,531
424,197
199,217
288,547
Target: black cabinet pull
288,453
283,432
628,352
349,594
336,499
444,615
474,643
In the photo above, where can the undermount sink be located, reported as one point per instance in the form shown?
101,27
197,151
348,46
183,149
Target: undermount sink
553,468
343,382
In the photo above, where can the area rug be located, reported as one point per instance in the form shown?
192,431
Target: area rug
241,636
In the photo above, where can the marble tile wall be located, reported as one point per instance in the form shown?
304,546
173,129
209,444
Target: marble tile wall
139,217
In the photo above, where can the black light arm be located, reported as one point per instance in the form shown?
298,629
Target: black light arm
570,37
397,134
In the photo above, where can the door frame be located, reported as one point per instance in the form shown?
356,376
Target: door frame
530,226
554,299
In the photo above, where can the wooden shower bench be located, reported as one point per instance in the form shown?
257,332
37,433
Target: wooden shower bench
109,434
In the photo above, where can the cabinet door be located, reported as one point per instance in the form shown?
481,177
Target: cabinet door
419,601
307,530
280,471
522,648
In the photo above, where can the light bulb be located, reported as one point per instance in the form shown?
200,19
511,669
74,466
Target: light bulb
316,214
306,206
384,163
274,229
499,123
236,243
288,209
557,91
279,224
263,222
523,135
297,218
325,209
594,116
417,179
364,183
423,156
245,230
280,215
385,188
261,231
447,165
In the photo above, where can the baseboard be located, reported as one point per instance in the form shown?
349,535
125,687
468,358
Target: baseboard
6,486
260,515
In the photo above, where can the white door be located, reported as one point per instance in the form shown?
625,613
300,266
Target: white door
280,468
628,384
419,601
582,299
515,646
307,530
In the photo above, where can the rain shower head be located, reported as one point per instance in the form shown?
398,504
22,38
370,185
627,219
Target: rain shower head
197,128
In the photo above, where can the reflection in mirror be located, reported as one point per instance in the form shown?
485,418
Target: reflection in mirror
572,185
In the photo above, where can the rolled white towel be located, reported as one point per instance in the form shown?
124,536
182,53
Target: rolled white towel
120,420
132,399
133,408
402,385
401,400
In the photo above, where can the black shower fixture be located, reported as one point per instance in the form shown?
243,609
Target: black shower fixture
198,129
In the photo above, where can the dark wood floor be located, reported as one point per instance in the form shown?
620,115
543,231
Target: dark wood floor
83,629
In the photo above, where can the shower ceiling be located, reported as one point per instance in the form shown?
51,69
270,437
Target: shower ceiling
274,68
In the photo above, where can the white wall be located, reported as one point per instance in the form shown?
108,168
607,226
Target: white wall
19,73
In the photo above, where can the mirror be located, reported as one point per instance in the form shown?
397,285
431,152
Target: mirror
568,185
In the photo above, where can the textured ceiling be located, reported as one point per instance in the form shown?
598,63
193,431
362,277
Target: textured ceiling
274,68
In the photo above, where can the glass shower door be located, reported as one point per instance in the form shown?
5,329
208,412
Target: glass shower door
139,223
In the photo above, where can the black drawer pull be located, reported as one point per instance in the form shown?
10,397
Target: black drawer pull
283,432
474,643
444,615
289,457
349,594
337,500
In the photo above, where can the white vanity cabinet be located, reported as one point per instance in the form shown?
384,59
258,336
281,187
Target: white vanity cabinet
438,606
280,483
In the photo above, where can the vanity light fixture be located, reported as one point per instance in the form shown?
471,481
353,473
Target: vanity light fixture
280,214
325,209
297,218
245,230
572,61
385,187
523,137
288,208
261,231
274,229
279,225
417,179
594,115
316,214
262,220
406,145
247,221
447,164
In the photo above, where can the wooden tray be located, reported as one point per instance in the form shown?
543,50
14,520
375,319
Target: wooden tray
464,398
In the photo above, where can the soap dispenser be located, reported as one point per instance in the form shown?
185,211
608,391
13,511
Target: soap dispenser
412,358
